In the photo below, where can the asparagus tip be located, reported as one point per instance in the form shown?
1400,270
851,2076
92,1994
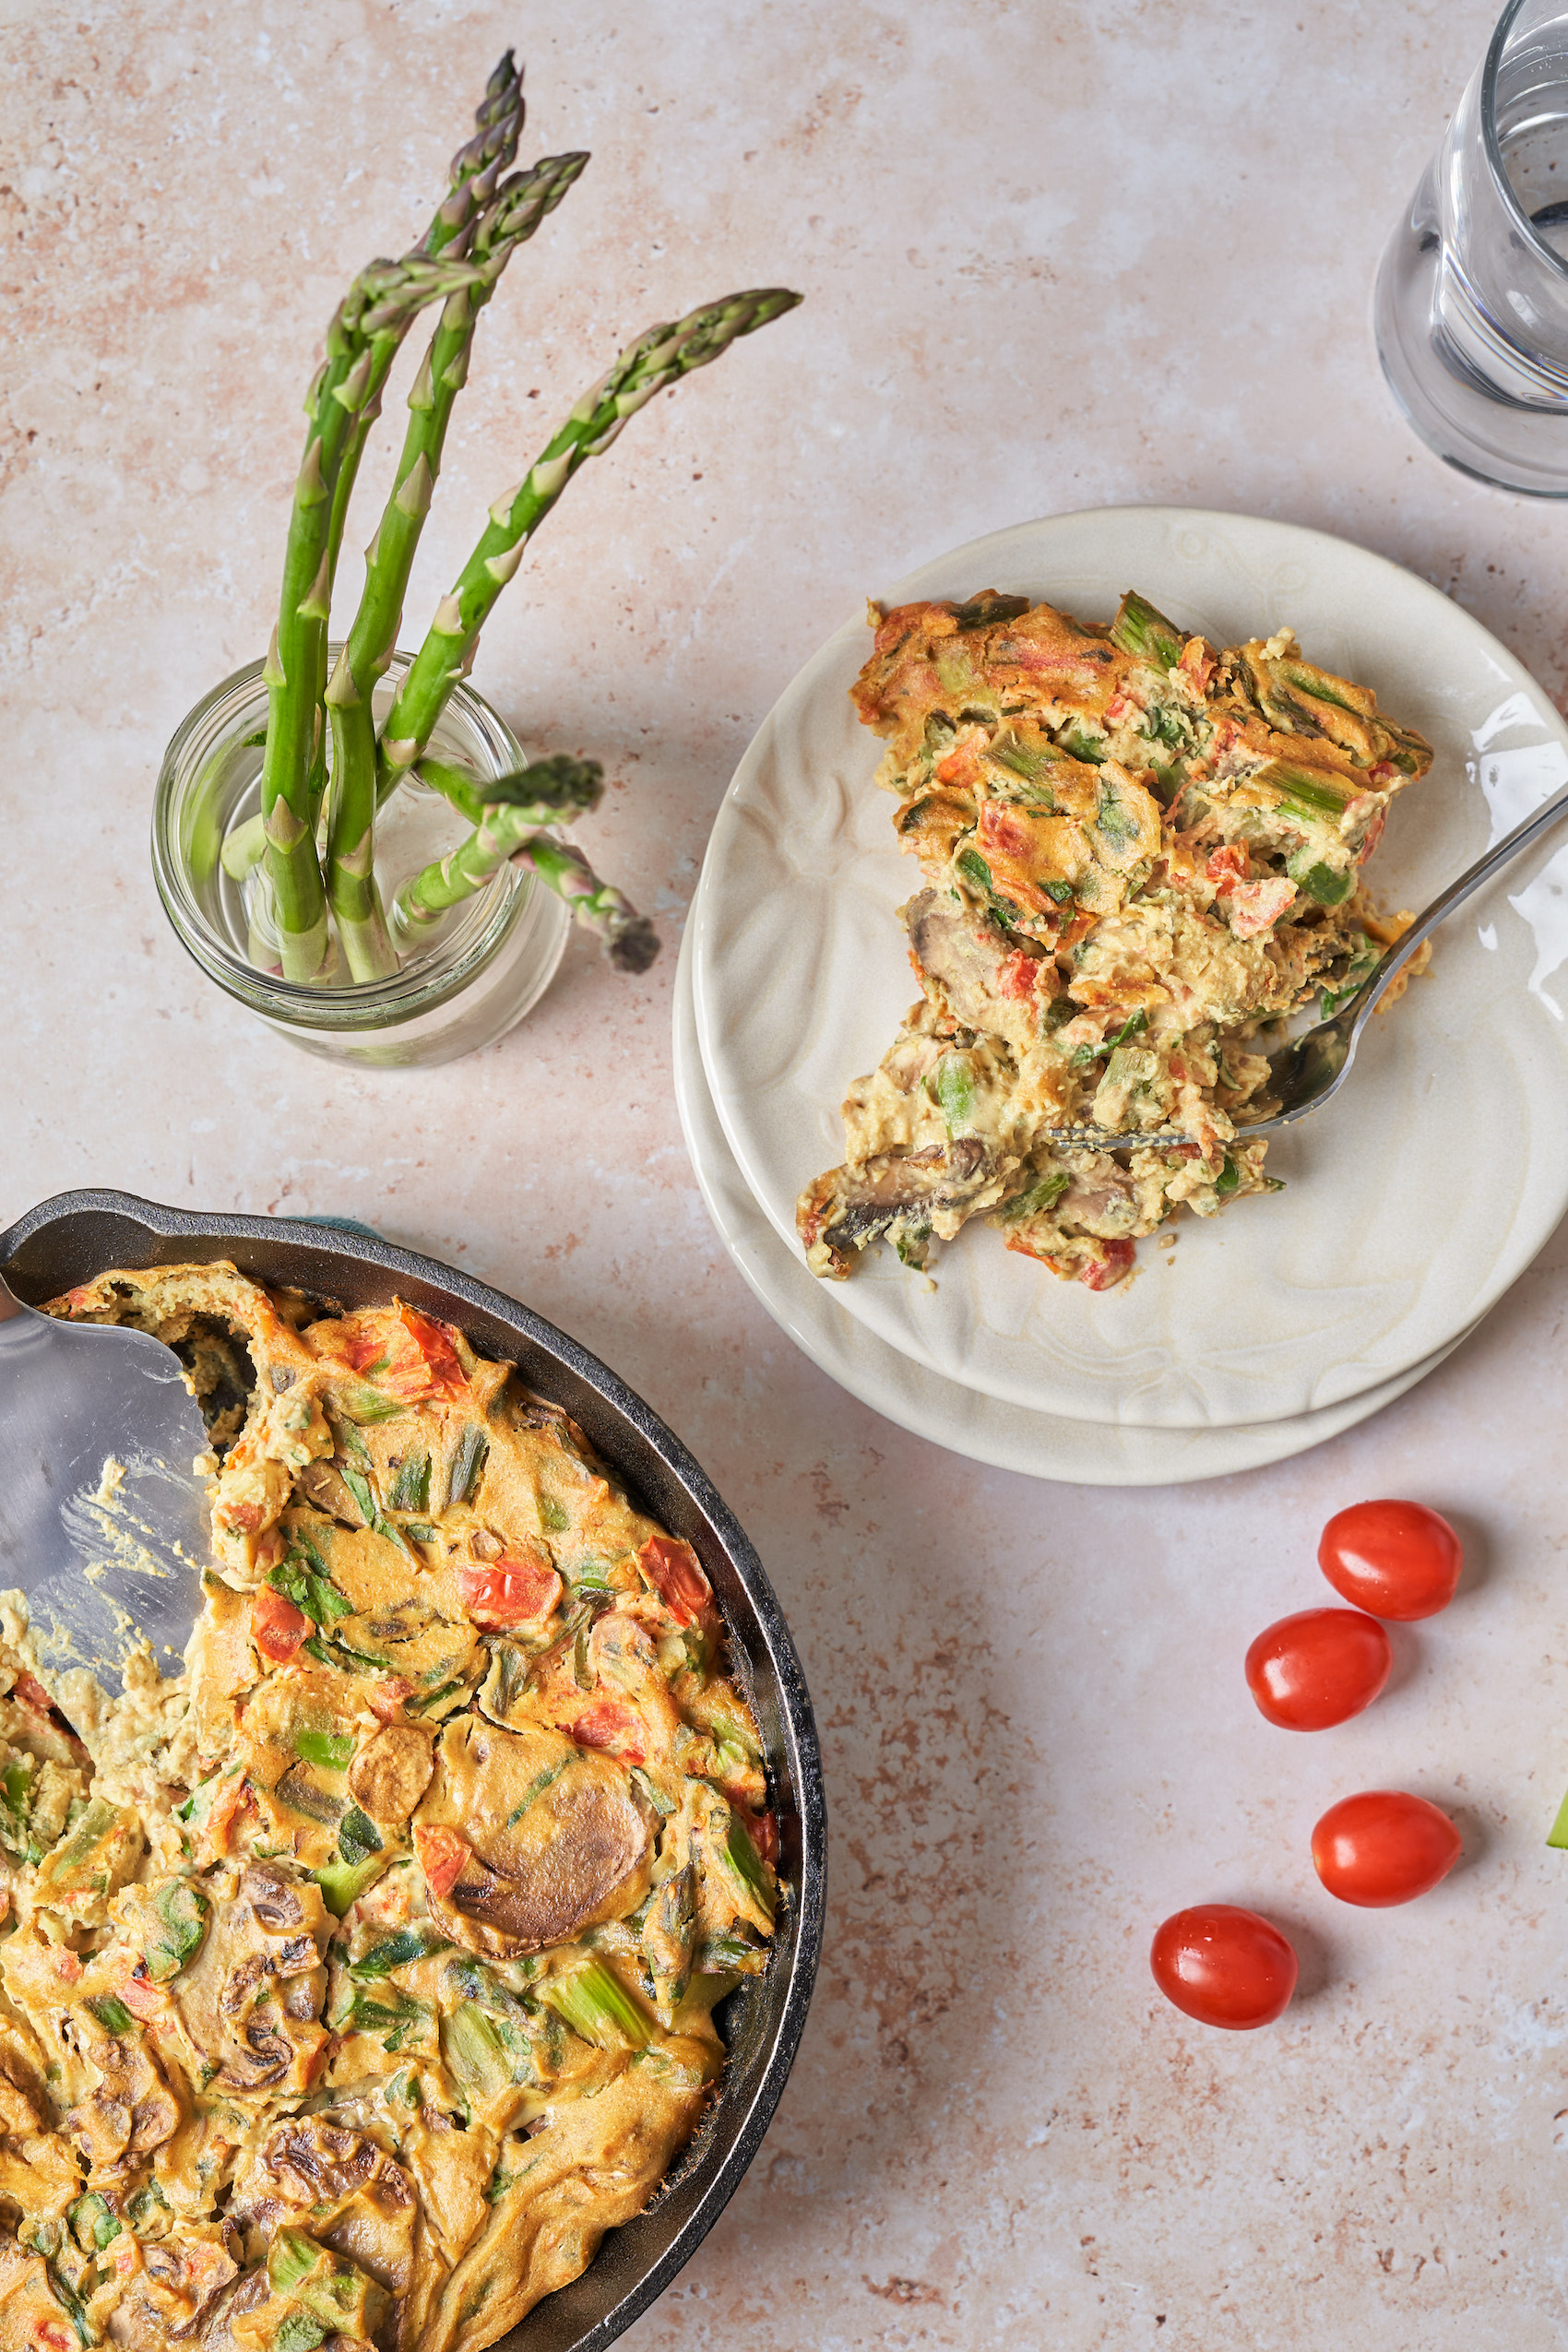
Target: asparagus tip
633,949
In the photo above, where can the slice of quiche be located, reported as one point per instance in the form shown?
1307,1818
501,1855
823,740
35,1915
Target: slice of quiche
1138,853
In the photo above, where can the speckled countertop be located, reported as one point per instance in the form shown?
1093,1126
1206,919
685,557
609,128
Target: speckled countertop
1054,257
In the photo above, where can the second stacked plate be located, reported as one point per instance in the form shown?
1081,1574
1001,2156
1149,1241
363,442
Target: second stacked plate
1413,1201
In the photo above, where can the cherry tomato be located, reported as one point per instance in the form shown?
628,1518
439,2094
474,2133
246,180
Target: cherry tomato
508,1592
442,1856
1100,1274
605,1723
675,1572
1384,1848
1395,1559
276,1626
1224,1966
1319,1666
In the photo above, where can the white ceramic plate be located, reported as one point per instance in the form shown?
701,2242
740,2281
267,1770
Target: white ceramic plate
1413,1201
986,1429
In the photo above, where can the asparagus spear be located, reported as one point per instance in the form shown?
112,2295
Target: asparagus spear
630,940
658,357
552,791
382,300
471,185
518,209
507,829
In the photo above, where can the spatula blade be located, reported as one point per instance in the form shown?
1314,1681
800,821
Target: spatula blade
102,1522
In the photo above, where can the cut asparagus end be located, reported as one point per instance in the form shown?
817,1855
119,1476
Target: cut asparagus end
243,846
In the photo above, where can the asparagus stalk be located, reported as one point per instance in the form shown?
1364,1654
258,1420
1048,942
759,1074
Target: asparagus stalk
630,941
660,357
458,785
384,298
514,829
519,207
505,827
471,182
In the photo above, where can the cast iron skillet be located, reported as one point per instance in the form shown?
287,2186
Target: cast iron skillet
76,1235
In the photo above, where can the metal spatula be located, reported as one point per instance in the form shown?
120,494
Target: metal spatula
103,1554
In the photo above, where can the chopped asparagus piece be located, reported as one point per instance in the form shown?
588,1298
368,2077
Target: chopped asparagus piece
596,2004
1142,631
333,1749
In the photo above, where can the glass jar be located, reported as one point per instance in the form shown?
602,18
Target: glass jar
462,983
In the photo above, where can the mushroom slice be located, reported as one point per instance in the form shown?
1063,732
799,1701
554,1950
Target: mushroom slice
249,2003
391,1773
322,1483
526,1839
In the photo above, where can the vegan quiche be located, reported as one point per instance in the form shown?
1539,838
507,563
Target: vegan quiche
356,1980
1138,853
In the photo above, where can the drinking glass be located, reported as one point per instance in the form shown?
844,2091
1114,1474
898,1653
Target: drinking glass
1471,307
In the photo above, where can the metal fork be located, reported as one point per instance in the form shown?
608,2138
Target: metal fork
1308,1071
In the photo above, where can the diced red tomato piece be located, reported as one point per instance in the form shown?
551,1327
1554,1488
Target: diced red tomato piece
68,1966
143,1999
1228,866
387,1696
508,1591
1196,664
433,1341
443,1855
1254,906
50,2337
1004,828
763,1830
675,1574
1099,1275
276,1626
959,767
608,1724
1019,974
405,1353
227,1807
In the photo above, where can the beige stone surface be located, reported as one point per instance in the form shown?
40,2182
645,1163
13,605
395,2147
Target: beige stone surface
1054,257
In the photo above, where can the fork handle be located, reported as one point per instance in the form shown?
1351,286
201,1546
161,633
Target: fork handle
1474,878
